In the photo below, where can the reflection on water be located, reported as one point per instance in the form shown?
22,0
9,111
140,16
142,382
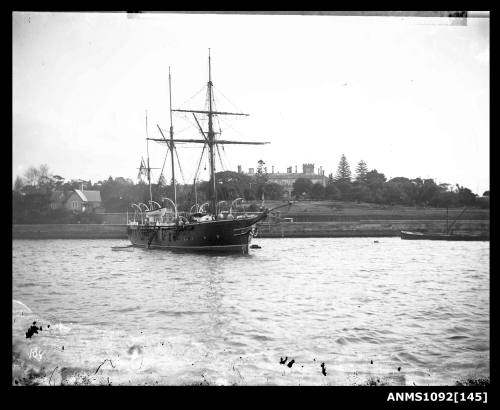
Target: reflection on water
393,312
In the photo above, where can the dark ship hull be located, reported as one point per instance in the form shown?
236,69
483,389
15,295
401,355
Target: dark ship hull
209,236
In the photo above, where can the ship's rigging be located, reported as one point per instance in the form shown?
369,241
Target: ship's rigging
210,142
199,229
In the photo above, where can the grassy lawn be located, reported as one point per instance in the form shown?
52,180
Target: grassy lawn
373,211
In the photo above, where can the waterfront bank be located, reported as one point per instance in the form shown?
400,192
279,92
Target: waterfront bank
69,231
367,228
359,228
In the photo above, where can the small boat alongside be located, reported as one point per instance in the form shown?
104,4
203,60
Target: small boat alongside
443,236
448,235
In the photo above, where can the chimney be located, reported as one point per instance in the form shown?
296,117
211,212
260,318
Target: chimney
239,169
250,171
295,168
273,169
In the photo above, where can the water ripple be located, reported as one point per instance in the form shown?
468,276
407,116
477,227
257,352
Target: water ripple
363,310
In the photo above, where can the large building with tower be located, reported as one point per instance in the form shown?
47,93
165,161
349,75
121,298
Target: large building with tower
286,179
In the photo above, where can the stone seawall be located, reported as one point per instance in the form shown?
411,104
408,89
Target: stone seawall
367,228
361,228
69,231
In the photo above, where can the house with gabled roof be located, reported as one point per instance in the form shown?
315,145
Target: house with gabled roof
84,201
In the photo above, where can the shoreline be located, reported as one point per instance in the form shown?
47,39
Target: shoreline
345,229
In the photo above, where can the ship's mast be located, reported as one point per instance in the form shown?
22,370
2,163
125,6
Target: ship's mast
149,169
211,141
208,137
195,194
172,137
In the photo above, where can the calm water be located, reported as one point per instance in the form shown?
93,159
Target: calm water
164,318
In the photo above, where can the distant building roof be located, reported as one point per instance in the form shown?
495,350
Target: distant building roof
295,176
93,196
81,195
89,196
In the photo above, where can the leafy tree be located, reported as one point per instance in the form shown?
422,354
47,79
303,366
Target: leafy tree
430,190
360,192
123,181
361,171
273,191
426,190
18,183
483,202
407,190
465,196
392,193
231,185
444,187
343,170
318,191
346,190
302,186
43,170
58,181
332,192
374,177
249,193
118,194
32,175
445,199
486,193
261,179
36,176
375,183
261,173
30,208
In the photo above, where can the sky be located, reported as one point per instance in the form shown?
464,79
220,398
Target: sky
409,96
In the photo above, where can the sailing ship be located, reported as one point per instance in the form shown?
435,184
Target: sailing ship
205,227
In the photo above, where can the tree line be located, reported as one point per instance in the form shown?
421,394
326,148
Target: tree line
33,191
373,186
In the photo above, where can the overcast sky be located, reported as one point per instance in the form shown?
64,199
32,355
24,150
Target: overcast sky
409,96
